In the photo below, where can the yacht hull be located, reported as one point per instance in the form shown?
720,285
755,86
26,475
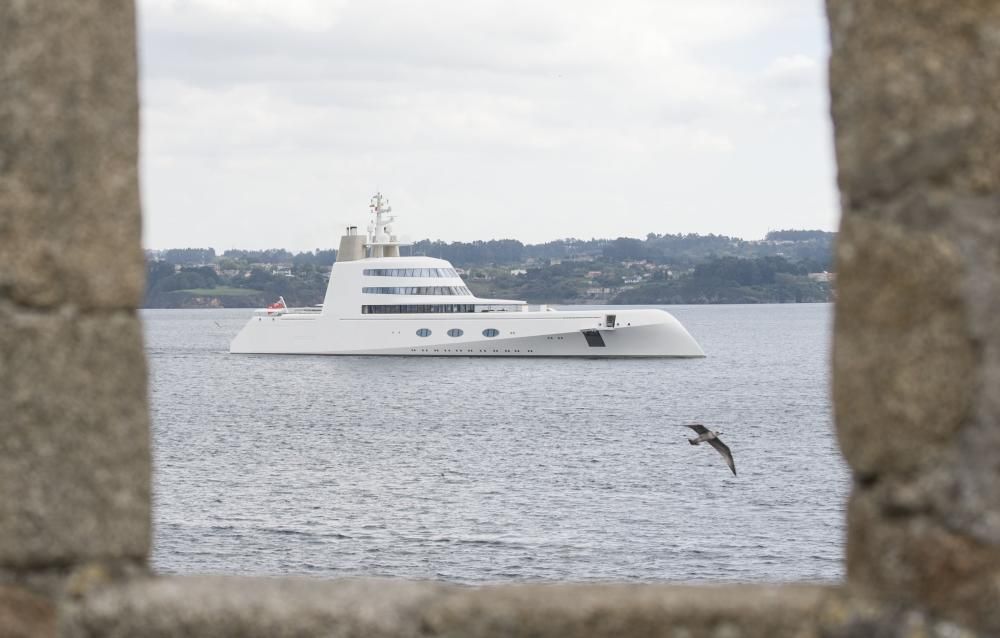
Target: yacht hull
635,333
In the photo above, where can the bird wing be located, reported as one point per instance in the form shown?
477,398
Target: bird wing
723,449
697,427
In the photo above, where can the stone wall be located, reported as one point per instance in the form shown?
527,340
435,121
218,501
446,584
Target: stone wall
915,88
74,430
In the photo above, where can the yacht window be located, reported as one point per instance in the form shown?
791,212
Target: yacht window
423,332
416,290
490,332
455,332
409,272
374,309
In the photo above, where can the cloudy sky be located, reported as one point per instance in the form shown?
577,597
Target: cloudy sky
269,123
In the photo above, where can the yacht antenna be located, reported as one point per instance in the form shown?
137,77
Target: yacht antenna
382,240
380,208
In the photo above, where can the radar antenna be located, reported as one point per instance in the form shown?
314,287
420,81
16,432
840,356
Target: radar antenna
381,236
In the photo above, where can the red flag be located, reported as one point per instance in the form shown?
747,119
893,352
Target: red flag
278,305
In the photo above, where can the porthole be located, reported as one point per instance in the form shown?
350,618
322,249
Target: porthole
423,332
455,332
490,332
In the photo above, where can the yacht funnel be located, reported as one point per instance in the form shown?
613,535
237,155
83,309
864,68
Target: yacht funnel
352,245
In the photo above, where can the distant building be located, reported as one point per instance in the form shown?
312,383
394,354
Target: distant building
823,277
592,274
518,271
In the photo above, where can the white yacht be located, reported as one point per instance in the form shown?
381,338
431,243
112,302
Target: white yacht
379,303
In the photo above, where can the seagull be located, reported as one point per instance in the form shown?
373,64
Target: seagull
704,434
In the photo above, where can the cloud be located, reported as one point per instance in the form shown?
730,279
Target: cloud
792,71
395,92
300,15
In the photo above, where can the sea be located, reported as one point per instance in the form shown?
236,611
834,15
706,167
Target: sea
473,471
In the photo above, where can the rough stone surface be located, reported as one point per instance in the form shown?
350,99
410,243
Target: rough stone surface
69,196
852,614
74,580
242,607
915,96
74,438
737,611
222,607
923,563
24,614
903,358
977,508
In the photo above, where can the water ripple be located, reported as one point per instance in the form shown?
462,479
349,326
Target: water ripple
476,471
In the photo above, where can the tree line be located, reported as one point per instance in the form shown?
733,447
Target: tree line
815,246
658,269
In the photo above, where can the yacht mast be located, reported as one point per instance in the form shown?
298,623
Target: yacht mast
381,240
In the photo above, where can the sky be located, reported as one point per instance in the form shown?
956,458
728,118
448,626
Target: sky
269,124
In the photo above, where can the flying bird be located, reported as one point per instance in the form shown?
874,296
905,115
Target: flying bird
712,438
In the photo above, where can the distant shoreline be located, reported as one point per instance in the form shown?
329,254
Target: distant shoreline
791,266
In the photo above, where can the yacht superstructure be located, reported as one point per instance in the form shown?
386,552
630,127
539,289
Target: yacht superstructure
380,303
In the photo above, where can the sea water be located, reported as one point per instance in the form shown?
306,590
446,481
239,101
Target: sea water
476,470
